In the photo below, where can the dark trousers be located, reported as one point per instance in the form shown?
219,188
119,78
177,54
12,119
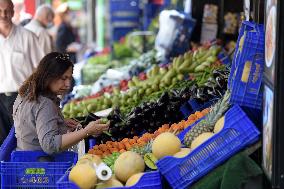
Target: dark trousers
5,123
8,102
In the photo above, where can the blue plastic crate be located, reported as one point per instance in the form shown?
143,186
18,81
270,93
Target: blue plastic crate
237,133
193,105
150,180
20,168
123,5
24,170
32,156
248,93
185,109
124,10
234,61
224,58
254,115
118,33
8,146
117,21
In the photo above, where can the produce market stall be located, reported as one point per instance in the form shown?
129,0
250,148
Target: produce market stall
185,122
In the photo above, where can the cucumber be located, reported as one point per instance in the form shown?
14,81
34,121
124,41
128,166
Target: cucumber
185,64
163,71
149,91
155,70
170,74
200,68
136,80
180,77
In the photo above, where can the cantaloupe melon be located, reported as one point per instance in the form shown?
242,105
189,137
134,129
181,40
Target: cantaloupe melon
90,157
166,144
200,139
219,124
109,184
128,164
83,175
134,179
182,153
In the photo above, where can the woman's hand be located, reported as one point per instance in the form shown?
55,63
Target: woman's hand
96,128
71,123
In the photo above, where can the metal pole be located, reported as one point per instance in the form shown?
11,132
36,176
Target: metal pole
256,11
221,19
247,9
91,26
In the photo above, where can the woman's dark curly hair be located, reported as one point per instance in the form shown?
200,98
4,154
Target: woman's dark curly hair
50,68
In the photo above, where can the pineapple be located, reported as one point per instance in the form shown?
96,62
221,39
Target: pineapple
208,123
143,150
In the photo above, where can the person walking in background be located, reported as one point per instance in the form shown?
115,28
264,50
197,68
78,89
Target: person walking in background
66,38
42,20
19,55
20,13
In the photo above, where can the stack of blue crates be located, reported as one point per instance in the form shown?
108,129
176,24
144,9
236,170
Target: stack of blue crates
124,17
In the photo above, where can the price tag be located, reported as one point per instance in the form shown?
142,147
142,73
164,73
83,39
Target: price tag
35,171
34,180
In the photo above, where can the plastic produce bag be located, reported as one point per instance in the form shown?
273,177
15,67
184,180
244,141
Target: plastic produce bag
111,77
169,21
174,33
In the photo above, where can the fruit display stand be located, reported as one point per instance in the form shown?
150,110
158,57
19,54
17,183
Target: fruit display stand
166,89
31,169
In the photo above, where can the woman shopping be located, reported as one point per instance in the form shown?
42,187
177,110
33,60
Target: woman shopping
39,124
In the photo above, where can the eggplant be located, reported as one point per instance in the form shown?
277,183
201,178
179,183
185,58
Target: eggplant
133,133
136,125
115,117
113,139
201,95
149,130
210,91
160,105
220,81
117,125
121,129
152,124
164,98
175,92
113,130
217,73
137,110
158,123
174,98
166,117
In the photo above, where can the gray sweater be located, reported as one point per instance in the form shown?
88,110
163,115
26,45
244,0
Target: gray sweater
38,125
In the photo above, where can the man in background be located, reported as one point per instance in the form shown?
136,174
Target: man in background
19,55
42,20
